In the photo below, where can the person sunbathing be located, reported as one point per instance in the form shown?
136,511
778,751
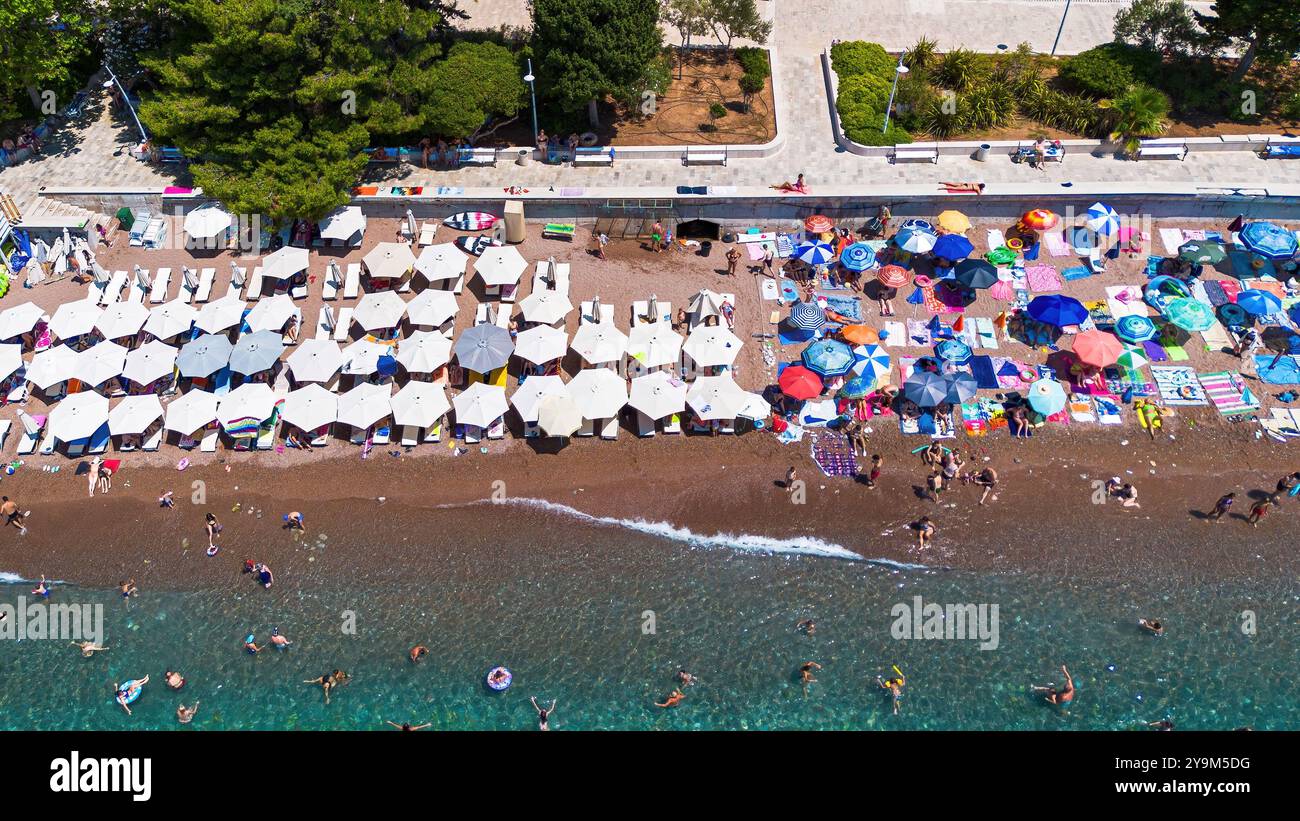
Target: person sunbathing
955,187
798,186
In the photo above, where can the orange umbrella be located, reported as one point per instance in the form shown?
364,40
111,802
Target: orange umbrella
1097,348
1040,219
819,224
860,335
892,276
954,222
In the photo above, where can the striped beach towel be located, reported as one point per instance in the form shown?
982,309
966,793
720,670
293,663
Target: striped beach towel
1228,393
1178,385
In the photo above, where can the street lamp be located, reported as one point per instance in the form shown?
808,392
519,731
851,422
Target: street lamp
532,90
899,71
126,98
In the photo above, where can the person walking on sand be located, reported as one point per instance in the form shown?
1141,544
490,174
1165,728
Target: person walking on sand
13,517
657,237
934,486
543,715
924,531
186,714
1258,511
1059,697
733,259
877,462
1221,507
988,478
769,262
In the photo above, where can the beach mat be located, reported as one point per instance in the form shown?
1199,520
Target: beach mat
832,453
1285,372
767,289
981,367
1056,245
1172,239
1178,385
1108,409
1043,278
1216,338
1120,306
986,333
897,335
1228,393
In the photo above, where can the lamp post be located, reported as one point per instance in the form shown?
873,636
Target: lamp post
1060,28
899,71
532,90
126,98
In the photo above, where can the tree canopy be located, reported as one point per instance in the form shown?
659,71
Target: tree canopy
1262,28
476,83
40,42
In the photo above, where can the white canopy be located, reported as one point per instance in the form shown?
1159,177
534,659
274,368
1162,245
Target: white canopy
100,363
361,358
705,304
431,308
599,393
152,360
271,313
51,366
712,346
365,404
78,416
74,319
654,344
500,265
134,414
11,359
251,400
541,344
343,223
170,319
717,397
480,405
310,407
558,416
190,411
658,394
389,260
207,220
529,394
285,262
546,307
379,311
220,314
19,319
316,360
424,351
599,342
122,319
420,404
442,261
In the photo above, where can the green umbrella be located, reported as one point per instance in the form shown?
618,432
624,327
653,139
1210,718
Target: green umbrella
1202,252
1190,314
1131,359
1001,256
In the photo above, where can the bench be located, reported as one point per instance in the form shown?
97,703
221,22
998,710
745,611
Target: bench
559,230
1051,153
705,156
477,156
596,155
907,153
1156,149
170,155
1283,149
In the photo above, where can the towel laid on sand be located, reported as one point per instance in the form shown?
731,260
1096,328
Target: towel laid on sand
1043,278
1178,385
1285,372
1125,300
897,337
1108,409
1229,393
1056,245
1172,238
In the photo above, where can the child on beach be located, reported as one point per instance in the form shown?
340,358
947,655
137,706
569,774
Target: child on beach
1258,511
924,531
877,461
165,500
1221,507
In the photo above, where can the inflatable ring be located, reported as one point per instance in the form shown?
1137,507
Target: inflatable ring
212,551
1016,244
130,691
499,685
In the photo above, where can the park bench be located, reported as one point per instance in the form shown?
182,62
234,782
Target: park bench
711,155
477,156
910,152
596,155
1162,149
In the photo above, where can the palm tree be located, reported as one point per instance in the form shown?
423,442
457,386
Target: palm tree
1140,112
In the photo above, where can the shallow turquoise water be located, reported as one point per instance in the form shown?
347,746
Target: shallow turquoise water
565,611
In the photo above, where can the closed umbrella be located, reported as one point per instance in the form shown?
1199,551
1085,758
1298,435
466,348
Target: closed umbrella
1190,314
545,306
1057,310
799,382
1040,219
925,388
1102,218
892,276
814,253
204,356
656,344
962,387
713,346
558,416
501,265
1097,348
953,246
432,308
19,319
285,263
134,415
599,393
272,313
871,361
915,240
532,391
310,407
316,360
858,257
122,319
480,405
170,319
819,224
190,411
1268,240
424,352
599,342
484,348
421,404
256,352
954,222
1046,396
365,405
828,358
1258,302
152,360
52,366
362,357
442,261
975,273
100,363
220,314
78,416
541,344
1135,329
342,224
658,394
379,311
807,316
207,220
717,397
1202,252
73,319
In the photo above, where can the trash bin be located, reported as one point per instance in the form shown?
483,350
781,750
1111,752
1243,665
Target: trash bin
706,248
525,156
982,153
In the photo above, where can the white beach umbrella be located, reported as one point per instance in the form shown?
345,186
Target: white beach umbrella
271,313
431,308
712,346
343,223
717,397
599,342
480,405
389,260
598,392
204,356
150,361
52,366
74,319
379,311
256,352
285,262
705,304
30,425
442,261
190,411
365,404
420,404
658,394
78,416
534,389
134,414
316,360
310,407
500,265
546,307
207,220
361,358
220,314
424,351
122,319
541,344
756,407
170,319
100,363
20,319
251,400
654,344
558,416
11,359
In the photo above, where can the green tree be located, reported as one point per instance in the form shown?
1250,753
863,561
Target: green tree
1138,113
751,84
479,84
1261,28
590,48
1166,26
689,19
40,43
730,19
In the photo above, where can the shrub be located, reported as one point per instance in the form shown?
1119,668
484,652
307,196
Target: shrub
1110,69
1074,113
717,111
962,69
857,57
1138,113
986,107
913,98
940,121
921,56
1021,71
751,84
1290,108
868,132
754,61
862,93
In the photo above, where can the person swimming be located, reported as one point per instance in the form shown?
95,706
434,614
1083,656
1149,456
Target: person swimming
88,648
130,691
894,686
807,627
174,679
543,715
687,679
1153,626
186,714
278,641
1059,697
250,646
674,698
806,671
418,652
329,681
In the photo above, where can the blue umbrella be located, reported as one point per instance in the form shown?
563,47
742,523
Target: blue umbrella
828,358
917,225
204,356
1046,396
808,317
386,365
1259,303
872,361
962,387
1057,310
256,352
814,253
915,240
1268,240
925,388
953,246
1103,219
857,387
1135,329
858,257
953,350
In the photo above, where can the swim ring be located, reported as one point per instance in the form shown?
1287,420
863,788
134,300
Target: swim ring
503,683
130,691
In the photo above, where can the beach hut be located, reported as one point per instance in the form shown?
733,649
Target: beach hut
656,344
316,360
480,405
424,351
541,344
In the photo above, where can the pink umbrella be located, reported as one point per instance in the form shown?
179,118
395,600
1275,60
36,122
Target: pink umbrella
1097,348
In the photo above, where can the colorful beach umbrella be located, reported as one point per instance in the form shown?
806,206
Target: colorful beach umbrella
1097,348
1102,218
828,357
953,246
925,388
892,276
1131,359
871,361
1002,255
1054,309
1190,314
915,240
814,253
954,221
859,334
1259,303
916,224
1202,252
1039,219
1046,396
975,273
962,387
807,316
858,257
1135,329
819,224
953,350
857,387
1268,240
799,382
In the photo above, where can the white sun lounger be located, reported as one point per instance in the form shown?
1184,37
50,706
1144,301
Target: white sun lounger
325,324
645,426
27,444
352,285
606,313
588,428
641,312
266,437
161,279
410,436
113,290
673,424
254,292
209,443
298,291
333,281
498,429
472,434
428,231
206,277
47,444
237,277
139,287
5,425
153,442
610,429
341,327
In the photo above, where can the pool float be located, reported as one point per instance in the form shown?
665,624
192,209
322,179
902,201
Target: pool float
499,684
130,691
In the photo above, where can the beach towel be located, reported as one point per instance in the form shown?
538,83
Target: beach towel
1228,393
1056,245
897,335
996,238
1075,272
755,251
909,427
981,367
918,333
1099,313
767,289
905,364
1043,278
1125,300
1216,339
1231,288
1285,372
833,454
974,419
1108,409
791,434
1190,234
789,293
1170,340
850,307
1172,238
1080,408
1178,385
986,333
817,414
1031,251
792,336
1274,287
1214,291
1152,350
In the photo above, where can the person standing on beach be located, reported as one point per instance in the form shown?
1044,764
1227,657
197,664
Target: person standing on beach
877,461
543,715
989,479
1221,507
213,528
769,262
934,485
790,479
93,473
12,515
733,259
1257,512
657,237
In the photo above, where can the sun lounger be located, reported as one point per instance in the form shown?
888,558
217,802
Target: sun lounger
352,285
727,426
1285,148
434,434
559,230
410,436
27,443
253,290
333,281
609,430
209,443
47,444
645,426
298,291
153,442
98,442
325,324
428,231
606,313
588,428
206,277
139,287
266,437
472,434
498,429
342,326
641,312
161,279
76,448
323,439
483,314
113,291
1166,148
189,284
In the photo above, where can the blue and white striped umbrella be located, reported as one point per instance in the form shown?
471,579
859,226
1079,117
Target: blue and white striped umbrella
858,257
1136,329
814,253
871,362
1103,219
917,225
1268,240
807,316
915,240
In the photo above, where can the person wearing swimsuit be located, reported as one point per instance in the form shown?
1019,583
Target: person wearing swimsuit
543,715
1059,697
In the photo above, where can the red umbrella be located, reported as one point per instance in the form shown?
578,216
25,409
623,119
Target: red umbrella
800,382
892,276
1040,219
819,224
1097,348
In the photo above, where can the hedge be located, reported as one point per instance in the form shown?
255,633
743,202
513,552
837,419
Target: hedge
861,94
856,57
866,131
